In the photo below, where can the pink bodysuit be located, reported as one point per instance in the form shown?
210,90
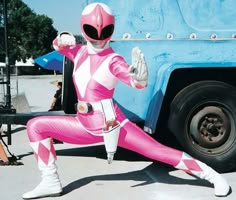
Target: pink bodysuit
95,76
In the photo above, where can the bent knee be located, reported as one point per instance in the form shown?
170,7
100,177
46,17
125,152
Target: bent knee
36,127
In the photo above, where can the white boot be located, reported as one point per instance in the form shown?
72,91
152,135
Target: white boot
50,185
205,172
221,186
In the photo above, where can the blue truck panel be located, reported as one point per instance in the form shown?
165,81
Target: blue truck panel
168,56
172,34
179,17
190,51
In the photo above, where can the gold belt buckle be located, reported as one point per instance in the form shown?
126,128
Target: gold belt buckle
81,109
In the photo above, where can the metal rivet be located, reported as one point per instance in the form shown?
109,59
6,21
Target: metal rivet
234,35
126,36
193,36
214,36
169,36
148,35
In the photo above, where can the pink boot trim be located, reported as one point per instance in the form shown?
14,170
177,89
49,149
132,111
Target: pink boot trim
44,151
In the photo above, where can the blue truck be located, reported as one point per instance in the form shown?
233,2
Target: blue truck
190,50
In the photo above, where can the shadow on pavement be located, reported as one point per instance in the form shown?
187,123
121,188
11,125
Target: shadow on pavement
100,152
159,170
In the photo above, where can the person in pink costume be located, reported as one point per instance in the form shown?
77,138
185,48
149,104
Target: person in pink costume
97,68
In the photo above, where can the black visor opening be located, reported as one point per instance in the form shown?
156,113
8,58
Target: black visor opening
91,32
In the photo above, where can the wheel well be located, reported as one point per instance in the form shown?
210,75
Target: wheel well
181,78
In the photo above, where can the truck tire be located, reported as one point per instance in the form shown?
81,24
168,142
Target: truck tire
69,98
203,119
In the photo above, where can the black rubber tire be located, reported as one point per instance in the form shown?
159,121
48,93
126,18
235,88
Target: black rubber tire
203,119
69,98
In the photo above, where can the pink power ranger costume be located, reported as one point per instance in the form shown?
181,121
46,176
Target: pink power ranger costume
96,72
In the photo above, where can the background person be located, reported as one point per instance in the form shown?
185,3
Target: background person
57,99
57,104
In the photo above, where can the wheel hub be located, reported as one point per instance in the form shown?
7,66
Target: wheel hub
210,127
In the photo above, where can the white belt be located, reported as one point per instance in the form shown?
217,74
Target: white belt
97,106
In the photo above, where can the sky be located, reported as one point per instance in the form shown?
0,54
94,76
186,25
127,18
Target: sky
64,13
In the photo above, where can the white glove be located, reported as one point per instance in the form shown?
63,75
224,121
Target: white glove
65,39
138,69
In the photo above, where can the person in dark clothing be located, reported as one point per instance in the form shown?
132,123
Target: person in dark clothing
57,105
56,102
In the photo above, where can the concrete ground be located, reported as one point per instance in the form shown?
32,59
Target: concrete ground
85,173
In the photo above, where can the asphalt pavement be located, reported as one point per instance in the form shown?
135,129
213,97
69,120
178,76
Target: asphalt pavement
84,171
